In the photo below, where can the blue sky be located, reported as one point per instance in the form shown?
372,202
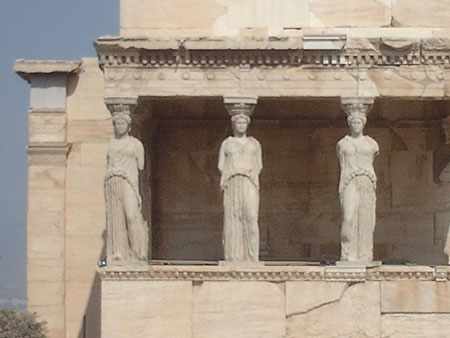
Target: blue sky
44,30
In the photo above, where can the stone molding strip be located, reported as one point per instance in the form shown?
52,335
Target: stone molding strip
48,153
277,274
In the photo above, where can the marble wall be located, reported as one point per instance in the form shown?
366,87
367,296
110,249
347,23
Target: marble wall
174,18
262,302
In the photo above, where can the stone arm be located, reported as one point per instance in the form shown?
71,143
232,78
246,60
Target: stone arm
140,155
259,158
338,150
377,148
221,163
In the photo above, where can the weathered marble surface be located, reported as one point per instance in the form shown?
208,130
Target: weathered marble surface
415,325
351,310
415,297
146,310
234,309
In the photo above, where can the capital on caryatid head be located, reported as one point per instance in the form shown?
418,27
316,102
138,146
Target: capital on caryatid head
121,105
240,104
357,105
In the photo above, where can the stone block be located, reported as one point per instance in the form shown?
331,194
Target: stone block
78,297
86,189
320,227
46,177
415,325
46,200
81,268
324,198
411,13
47,127
282,198
85,99
187,243
171,14
45,269
302,297
236,309
90,224
49,223
353,13
190,199
351,310
418,253
441,226
141,309
54,315
268,13
89,130
405,82
94,154
45,293
404,228
188,166
415,297
285,167
48,91
45,246
412,33
412,181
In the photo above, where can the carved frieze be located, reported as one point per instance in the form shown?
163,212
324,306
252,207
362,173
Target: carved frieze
279,274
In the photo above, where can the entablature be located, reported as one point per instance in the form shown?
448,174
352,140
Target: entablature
326,50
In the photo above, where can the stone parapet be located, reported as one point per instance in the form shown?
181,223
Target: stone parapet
274,302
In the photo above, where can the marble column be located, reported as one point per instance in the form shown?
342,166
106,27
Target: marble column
357,185
240,163
126,230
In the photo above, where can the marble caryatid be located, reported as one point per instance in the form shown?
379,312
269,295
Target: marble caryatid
240,163
357,186
127,232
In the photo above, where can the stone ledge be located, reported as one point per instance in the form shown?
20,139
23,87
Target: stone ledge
27,67
276,273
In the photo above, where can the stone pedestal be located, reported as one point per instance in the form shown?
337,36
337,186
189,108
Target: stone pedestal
275,301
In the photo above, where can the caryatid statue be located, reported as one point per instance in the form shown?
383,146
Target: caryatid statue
127,232
240,163
357,185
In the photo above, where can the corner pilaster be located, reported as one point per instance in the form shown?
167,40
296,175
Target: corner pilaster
46,212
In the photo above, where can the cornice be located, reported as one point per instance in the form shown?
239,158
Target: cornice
147,53
27,68
277,274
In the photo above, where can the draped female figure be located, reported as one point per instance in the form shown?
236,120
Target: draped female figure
127,232
357,185
240,163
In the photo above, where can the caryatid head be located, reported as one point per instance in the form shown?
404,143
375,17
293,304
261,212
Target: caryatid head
240,123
